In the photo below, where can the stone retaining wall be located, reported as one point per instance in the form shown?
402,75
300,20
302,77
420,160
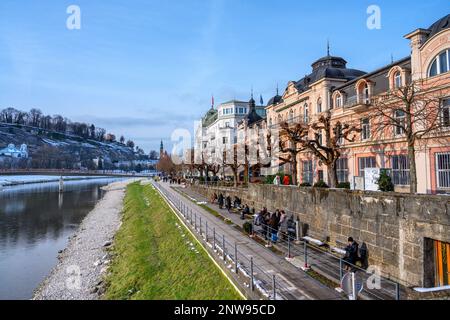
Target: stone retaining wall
396,228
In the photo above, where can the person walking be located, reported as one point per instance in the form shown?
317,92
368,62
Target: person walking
228,203
286,180
351,254
220,200
277,181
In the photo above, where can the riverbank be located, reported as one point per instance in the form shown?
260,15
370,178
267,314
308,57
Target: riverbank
81,266
156,258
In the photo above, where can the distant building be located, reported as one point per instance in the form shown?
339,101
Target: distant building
13,152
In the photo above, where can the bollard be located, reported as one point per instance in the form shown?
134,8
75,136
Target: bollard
214,239
236,258
195,221
305,248
252,284
397,291
289,247
274,288
200,226
223,247
206,231
341,271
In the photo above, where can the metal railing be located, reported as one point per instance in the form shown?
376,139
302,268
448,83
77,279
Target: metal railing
254,277
330,265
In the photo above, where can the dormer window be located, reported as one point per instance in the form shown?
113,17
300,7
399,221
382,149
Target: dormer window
440,64
339,101
397,79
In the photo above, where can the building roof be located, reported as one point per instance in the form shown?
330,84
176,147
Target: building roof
275,100
210,117
328,67
438,26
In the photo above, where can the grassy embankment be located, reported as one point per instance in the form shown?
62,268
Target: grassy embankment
156,258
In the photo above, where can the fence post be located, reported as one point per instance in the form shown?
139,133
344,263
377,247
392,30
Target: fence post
252,284
214,238
341,272
195,223
289,246
236,258
223,247
274,288
200,225
206,231
305,249
397,291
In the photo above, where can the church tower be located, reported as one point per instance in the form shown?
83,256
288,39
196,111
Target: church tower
161,150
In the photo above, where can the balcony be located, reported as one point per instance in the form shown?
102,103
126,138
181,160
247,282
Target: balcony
356,104
290,121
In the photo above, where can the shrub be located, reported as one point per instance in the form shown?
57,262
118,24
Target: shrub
305,184
321,184
385,182
344,185
248,227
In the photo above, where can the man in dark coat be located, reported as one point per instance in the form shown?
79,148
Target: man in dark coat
351,253
220,200
228,203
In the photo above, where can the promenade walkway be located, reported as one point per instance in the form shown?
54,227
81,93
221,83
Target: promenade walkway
296,284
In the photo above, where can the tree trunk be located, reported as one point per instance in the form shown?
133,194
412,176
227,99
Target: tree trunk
412,168
294,169
235,175
332,175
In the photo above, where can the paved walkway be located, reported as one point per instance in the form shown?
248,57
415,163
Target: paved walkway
326,264
296,283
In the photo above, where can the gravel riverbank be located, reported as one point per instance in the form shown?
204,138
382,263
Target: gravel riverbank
78,274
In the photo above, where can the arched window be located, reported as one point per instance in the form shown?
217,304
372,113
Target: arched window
440,64
291,115
398,79
319,105
306,113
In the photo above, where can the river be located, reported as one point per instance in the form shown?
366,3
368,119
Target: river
35,223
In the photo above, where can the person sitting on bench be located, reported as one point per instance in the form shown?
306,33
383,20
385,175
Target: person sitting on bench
351,254
245,212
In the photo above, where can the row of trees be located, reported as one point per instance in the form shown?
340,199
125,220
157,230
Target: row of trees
35,118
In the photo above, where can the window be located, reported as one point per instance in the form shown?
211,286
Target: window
397,79
400,170
443,170
366,162
307,173
342,170
399,116
440,64
445,113
225,140
338,101
365,127
319,106
366,97
306,113
319,137
291,115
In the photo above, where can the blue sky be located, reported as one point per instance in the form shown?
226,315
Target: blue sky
143,68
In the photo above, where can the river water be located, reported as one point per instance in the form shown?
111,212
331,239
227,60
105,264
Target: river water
35,223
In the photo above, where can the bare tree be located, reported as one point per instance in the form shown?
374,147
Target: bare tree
412,113
292,142
231,160
327,140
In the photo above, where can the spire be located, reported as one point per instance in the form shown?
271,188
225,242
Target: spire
212,101
277,90
328,47
261,100
392,58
